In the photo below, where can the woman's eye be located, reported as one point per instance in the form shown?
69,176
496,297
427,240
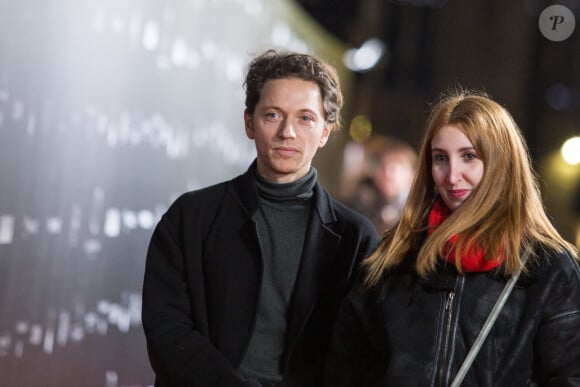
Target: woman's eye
469,156
439,158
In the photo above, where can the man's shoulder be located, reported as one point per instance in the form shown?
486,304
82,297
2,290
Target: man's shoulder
204,198
351,218
213,192
207,192
199,197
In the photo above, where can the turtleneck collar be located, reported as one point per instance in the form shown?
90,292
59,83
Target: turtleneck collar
301,189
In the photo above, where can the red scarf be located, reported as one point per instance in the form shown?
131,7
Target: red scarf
472,260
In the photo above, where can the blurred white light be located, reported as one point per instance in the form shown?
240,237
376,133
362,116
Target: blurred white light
21,327
151,36
48,344
571,151
111,379
130,219
54,225
92,246
234,70
146,219
366,57
103,306
112,223
77,333
179,52
30,225
6,229
35,335
281,35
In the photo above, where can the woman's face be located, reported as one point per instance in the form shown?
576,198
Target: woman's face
456,166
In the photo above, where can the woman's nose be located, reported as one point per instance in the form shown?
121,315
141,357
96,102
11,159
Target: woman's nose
454,173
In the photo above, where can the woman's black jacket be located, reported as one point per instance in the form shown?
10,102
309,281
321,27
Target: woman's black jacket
416,332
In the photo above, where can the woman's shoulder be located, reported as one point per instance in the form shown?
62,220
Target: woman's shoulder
548,262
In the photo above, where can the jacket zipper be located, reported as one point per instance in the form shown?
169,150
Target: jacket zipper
447,333
448,315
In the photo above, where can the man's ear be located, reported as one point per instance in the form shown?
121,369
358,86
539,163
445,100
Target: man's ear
248,125
325,134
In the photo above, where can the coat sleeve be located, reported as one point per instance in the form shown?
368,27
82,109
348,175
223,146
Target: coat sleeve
557,344
180,354
353,360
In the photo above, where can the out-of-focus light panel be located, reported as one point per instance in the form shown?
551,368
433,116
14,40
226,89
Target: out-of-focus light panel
110,110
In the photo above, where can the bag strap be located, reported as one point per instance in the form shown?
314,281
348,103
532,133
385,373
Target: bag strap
488,325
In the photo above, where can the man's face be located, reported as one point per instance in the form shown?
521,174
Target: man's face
394,175
288,127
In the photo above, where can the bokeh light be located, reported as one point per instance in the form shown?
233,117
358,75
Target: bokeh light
571,151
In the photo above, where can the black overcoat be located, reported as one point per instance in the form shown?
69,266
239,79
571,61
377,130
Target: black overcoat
203,277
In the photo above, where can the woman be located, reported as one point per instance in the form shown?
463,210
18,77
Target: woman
473,214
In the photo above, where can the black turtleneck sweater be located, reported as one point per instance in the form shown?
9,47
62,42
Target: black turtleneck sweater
282,218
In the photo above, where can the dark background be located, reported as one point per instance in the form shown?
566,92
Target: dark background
490,45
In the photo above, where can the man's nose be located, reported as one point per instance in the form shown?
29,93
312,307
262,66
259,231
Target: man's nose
287,129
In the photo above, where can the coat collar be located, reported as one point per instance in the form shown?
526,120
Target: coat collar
245,190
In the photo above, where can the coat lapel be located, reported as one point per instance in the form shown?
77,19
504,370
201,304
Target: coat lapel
320,249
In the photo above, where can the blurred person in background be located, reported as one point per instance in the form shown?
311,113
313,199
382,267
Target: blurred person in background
243,279
473,224
382,190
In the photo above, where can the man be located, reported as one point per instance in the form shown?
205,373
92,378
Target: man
382,190
244,278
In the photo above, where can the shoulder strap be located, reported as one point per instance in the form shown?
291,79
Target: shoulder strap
487,325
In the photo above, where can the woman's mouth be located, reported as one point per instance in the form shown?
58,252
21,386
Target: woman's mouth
458,193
